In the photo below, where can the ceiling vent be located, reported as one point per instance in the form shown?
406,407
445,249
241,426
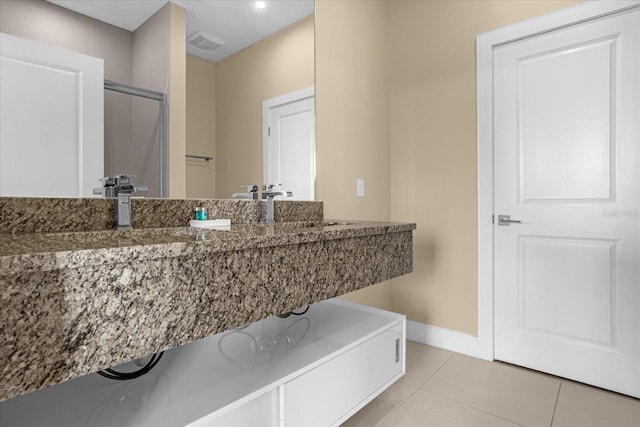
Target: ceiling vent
204,41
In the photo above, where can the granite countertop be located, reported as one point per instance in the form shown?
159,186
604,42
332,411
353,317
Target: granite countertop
77,299
28,252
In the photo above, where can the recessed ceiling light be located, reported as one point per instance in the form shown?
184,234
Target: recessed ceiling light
261,4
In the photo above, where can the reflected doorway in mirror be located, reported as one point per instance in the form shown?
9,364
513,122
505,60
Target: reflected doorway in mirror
289,142
51,120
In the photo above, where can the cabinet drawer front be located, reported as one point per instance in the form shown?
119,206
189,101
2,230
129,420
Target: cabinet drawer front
327,393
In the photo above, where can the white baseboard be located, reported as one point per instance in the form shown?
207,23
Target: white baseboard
447,339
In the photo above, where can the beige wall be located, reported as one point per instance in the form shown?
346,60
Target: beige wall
277,65
396,104
201,127
396,101
352,117
433,148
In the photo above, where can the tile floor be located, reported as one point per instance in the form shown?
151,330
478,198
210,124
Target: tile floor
442,388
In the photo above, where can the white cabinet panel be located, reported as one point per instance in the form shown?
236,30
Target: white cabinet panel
328,393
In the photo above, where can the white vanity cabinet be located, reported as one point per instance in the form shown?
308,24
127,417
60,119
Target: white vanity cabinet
315,369
368,358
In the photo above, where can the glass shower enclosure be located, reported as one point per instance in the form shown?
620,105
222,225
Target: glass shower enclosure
135,136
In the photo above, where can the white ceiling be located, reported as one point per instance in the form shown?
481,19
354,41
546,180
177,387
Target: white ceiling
238,23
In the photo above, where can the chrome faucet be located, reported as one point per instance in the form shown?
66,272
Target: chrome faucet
268,194
251,194
119,188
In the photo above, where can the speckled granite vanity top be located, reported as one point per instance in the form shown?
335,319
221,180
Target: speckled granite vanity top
47,251
78,297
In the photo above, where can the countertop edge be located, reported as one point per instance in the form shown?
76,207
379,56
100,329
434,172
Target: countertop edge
78,258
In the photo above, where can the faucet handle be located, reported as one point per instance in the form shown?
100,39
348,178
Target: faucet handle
270,187
124,183
251,188
108,188
108,181
123,180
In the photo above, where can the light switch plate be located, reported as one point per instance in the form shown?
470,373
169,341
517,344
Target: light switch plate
360,187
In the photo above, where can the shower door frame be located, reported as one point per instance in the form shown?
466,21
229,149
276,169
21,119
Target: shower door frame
162,98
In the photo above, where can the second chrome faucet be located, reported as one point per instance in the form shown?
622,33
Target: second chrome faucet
268,195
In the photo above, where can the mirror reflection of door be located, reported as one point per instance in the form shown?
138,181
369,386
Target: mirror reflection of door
51,125
289,143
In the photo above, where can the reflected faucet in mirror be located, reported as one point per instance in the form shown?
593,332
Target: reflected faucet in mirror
250,194
119,188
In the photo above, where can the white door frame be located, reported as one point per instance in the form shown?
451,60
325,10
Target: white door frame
274,102
485,44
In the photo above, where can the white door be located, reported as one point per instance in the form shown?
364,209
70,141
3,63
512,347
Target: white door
51,120
289,143
567,165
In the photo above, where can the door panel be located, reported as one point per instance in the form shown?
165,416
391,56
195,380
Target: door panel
565,145
567,165
51,120
553,271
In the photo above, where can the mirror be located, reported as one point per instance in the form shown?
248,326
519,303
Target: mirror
236,144
272,68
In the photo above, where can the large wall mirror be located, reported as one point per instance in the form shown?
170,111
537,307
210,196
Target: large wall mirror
262,55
